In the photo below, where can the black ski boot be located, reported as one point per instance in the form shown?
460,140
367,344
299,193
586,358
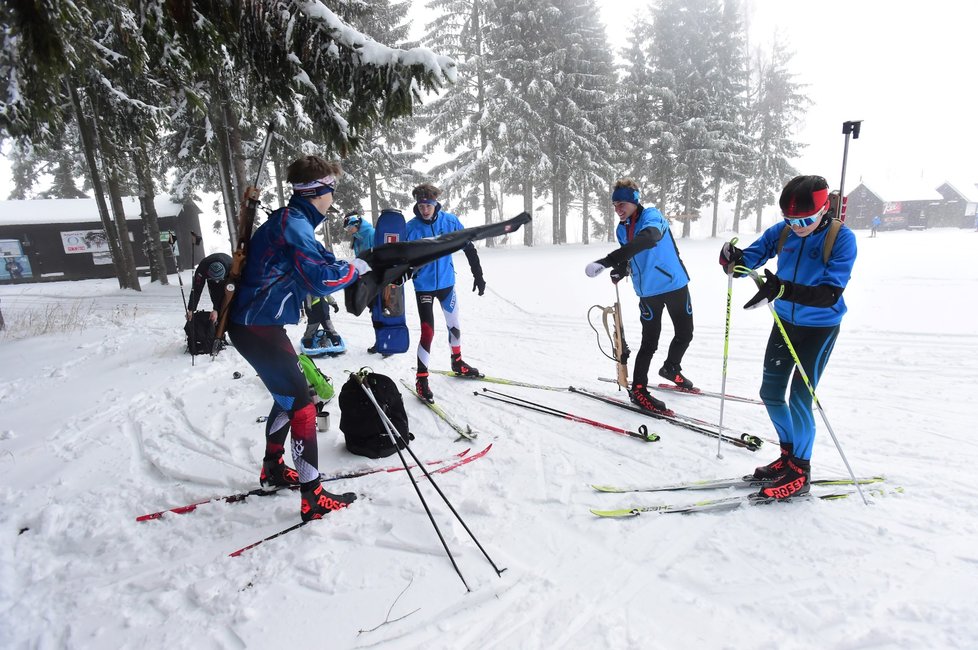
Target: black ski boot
639,395
275,473
773,470
463,369
671,371
317,502
794,481
422,389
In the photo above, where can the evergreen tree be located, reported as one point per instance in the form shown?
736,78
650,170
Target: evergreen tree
778,107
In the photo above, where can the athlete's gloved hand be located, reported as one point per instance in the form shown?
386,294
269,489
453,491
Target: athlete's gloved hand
361,266
773,288
479,284
594,269
336,307
730,256
619,272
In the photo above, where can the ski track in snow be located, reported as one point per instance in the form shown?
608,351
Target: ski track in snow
110,420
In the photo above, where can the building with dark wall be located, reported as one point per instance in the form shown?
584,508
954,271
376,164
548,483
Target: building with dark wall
959,205
63,239
908,207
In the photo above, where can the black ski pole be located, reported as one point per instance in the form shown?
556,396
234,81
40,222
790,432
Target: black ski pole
850,127
421,466
398,440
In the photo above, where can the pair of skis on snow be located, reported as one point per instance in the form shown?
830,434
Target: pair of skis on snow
730,502
740,439
446,465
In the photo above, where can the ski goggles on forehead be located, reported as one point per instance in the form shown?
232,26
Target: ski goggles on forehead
804,222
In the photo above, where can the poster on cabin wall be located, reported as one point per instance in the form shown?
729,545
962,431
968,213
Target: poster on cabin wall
14,265
85,241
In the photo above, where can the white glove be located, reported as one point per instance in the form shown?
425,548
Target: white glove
594,269
361,266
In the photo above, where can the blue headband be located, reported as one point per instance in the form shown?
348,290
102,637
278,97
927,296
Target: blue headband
427,202
626,194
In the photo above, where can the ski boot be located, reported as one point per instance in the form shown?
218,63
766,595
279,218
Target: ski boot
422,389
671,372
463,369
275,473
774,469
639,395
793,482
317,502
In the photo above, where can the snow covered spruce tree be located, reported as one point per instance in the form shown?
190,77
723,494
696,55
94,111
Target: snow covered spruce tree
779,103
456,121
732,149
299,64
553,60
518,124
380,169
685,72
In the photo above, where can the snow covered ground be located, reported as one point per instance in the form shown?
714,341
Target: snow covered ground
105,418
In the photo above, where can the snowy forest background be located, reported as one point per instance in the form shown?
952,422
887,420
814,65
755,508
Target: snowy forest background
511,98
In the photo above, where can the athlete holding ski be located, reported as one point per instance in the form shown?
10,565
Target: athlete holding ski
285,263
436,280
807,296
649,254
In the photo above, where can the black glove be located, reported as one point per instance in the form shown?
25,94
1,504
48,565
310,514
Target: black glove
479,284
730,256
336,307
772,289
619,272
625,353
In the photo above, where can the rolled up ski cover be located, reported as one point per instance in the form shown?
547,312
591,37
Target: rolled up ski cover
390,262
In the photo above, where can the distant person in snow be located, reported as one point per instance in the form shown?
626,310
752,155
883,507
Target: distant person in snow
361,230
807,296
317,315
876,224
285,262
436,281
649,254
211,271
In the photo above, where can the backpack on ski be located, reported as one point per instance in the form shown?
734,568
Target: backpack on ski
201,334
360,423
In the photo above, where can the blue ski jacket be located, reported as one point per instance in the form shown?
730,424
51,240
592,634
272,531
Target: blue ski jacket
363,238
285,263
800,262
655,270
439,273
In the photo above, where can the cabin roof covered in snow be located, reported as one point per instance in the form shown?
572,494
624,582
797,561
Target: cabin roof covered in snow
38,211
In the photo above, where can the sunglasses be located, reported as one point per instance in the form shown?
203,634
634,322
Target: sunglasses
804,222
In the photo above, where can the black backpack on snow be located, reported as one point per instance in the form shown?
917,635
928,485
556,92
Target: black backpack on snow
361,424
200,333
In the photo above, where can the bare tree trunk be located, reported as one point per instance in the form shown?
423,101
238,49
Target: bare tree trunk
555,226
147,198
279,184
585,221
610,216
225,166
374,196
687,222
109,165
757,226
89,146
716,204
738,206
528,208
